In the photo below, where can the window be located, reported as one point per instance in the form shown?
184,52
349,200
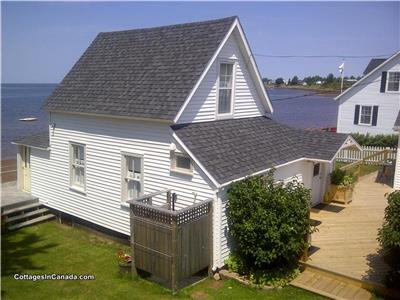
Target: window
393,82
316,169
225,89
181,163
366,115
132,176
78,164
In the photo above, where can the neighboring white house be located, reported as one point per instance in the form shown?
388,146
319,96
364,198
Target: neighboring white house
396,182
180,107
371,104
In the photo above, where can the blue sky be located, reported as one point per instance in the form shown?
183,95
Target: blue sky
41,41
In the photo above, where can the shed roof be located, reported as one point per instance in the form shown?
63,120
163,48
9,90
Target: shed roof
146,73
235,148
397,122
38,140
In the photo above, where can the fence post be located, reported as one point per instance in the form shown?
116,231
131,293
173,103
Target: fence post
169,200
211,238
133,265
174,277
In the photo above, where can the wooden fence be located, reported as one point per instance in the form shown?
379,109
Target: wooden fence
171,245
352,155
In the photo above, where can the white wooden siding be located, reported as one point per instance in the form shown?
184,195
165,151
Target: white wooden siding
396,184
369,94
247,103
105,139
301,170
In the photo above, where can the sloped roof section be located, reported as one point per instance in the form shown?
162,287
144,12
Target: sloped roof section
232,149
373,63
397,122
145,73
38,140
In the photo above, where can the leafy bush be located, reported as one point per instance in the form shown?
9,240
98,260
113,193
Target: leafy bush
269,223
389,237
379,140
341,178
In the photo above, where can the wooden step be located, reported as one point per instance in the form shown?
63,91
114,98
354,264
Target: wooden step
330,286
23,215
21,208
31,222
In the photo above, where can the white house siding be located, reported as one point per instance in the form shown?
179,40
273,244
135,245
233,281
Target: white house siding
104,140
396,184
300,170
369,94
247,103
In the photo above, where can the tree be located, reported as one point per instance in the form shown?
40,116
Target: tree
295,80
279,80
330,78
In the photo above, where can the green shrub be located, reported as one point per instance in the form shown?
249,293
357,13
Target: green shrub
389,237
379,140
268,222
342,178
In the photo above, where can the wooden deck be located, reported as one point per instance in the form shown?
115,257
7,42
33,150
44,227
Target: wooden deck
346,238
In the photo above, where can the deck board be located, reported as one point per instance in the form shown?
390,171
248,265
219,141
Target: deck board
346,238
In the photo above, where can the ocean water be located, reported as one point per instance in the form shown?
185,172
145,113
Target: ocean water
21,101
25,100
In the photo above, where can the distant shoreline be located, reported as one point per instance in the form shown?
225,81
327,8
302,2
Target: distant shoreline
317,91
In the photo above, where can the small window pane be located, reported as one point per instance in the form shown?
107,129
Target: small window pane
366,114
133,167
78,166
394,81
316,169
133,189
224,105
183,162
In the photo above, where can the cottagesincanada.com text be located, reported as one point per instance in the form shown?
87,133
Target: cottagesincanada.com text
38,277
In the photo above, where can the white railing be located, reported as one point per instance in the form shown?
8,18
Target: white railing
351,155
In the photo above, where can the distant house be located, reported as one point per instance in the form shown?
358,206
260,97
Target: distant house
371,105
178,107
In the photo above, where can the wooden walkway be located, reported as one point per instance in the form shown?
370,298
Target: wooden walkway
346,238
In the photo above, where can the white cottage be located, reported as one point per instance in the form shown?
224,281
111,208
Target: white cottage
371,105
180,107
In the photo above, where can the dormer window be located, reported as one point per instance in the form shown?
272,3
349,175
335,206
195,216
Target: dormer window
225,89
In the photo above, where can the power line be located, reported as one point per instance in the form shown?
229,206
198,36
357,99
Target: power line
321,56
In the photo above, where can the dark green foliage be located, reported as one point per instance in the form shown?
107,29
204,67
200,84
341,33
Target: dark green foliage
389,237
268,222
295,80
380,140
279,81
341,178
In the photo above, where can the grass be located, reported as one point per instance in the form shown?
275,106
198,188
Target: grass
54,248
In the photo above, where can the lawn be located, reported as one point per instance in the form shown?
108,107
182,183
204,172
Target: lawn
54,248
365,169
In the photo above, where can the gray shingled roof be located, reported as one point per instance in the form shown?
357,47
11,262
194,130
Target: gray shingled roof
37,140
397,122
373,63
145,73
231,149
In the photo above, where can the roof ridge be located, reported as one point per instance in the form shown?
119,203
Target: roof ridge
171,25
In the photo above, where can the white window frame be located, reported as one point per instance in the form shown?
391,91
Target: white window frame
174,168
72,165
234,64
372,113
125,178
387,82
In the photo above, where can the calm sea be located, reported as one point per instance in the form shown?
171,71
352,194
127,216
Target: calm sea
24,100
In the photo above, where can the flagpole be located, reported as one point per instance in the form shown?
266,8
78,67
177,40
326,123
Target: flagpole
341,84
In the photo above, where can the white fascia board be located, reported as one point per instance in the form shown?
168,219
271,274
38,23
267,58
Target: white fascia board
175,136
38,148
352,141
189,97
258,78
368,75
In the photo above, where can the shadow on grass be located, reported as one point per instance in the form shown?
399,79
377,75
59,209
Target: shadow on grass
17,250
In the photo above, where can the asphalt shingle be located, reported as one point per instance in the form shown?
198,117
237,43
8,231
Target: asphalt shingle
231,149
145,73
397,122
37,140
373,63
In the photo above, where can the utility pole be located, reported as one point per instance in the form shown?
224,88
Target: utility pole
341,70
